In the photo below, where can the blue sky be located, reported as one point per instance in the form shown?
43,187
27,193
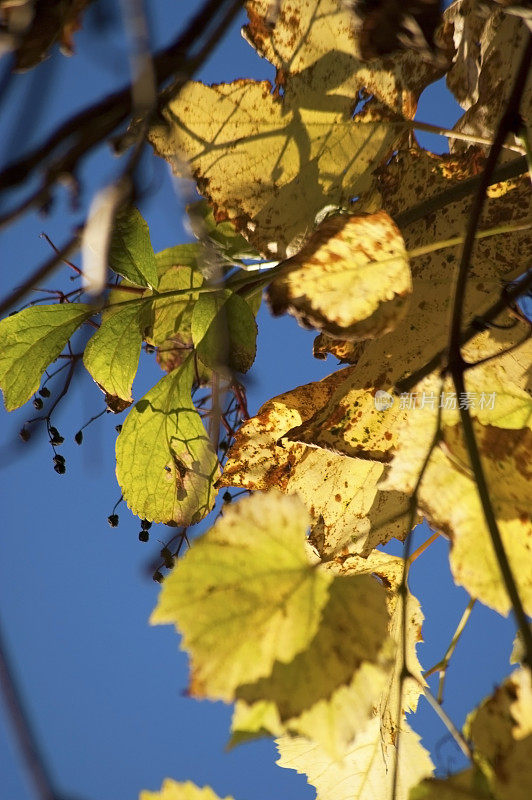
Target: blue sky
104,690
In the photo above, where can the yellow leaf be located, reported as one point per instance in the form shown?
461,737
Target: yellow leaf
448,494
366,773
319,36
500,730
269,164
171,790
328,691
340,493
245,595
489,47
351,279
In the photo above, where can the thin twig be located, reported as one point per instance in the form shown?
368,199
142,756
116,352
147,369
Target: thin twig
27,741
449,724
443,663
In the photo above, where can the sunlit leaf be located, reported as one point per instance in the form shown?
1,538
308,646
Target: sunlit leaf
340,493
467,785
172,790
500,730
131,253
165,464
366,772
112,354
269,164
224,331
328,691
222,234
351,279
489,48
448,494
29,341
245,595
320,37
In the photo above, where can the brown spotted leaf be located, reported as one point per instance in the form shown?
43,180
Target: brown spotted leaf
351,423
321,38
340,493
351,279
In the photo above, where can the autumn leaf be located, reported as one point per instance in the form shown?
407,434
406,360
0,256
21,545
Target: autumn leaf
350,422
245,595
172,790
448,494
165,464
389,569
367,770
351,279
328,691
340,493
467,785
500,730
489,47
29,341
321,37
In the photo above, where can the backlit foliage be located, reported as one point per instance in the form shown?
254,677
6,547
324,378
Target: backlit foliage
288,606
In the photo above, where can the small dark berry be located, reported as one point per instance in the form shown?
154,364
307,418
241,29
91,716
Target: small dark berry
224,444
158,577
145,524
144,536
112,519
37,402
44,392
55,436
169,562
165,553
78,438
227,497
150,348
60,468
118,428
58,459
24,434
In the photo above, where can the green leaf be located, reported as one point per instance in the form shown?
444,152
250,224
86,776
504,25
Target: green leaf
30,341
223,235
224,331
245,595
131,254
112,355
467,785
165,464
182,255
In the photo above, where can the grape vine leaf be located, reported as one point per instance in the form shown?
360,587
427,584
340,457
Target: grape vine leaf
328,691
29,341
351,279
269,164
367,770
342,424
112,355
489,46
172,790
500,730
165,463
389,570
448,494
346,509
320,37
245,595
467,785
224,331
130,252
